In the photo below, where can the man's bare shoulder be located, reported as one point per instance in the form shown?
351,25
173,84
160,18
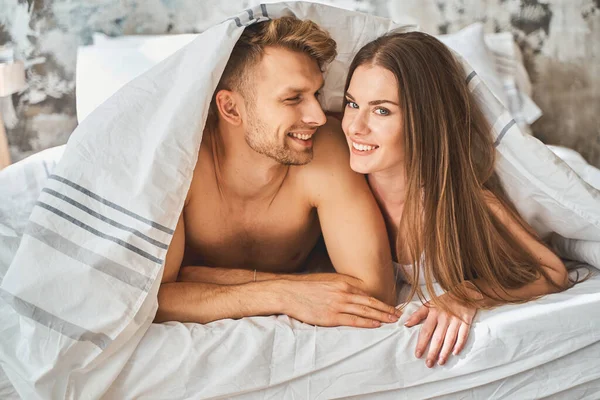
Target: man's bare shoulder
330,168
330,148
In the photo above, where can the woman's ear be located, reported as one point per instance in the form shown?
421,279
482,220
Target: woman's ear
228,105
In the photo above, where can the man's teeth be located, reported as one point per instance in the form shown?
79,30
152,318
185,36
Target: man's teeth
363,147
300,136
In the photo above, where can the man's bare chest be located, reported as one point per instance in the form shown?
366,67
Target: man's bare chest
269,237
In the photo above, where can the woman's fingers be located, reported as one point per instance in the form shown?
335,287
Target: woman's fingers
437,340
449,341
417,316
463,334
426,332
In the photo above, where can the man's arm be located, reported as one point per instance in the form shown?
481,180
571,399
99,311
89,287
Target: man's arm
234,276
205,302
325,303
351,222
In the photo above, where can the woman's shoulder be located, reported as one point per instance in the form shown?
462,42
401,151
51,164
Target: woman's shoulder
494,204
510,218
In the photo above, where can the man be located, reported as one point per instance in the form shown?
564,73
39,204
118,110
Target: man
272,175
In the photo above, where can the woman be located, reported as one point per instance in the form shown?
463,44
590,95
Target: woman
415,130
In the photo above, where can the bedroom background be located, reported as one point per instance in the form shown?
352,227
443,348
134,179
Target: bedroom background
559,41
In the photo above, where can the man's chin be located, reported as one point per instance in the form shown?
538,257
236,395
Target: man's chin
296,158
298,161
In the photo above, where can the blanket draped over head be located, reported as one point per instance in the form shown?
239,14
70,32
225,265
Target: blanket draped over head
80,292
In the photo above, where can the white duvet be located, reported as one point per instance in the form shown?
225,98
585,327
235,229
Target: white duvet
79,294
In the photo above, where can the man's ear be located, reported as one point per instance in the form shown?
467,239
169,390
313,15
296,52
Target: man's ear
229,105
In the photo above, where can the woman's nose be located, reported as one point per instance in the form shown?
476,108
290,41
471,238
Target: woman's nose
358,124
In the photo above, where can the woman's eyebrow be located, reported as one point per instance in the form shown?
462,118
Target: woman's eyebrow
373,102
377,102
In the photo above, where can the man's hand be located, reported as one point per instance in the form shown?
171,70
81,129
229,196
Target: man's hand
443,332
334,304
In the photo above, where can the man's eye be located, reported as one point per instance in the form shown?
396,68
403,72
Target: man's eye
351,104
382,111
317,94
293,98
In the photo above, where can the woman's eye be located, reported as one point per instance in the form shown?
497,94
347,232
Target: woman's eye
317,94
382,111
293,98
351,104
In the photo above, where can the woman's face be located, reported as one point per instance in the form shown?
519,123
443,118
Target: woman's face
372,120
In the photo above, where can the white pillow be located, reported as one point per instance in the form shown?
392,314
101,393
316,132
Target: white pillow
498,61
470,44
515,80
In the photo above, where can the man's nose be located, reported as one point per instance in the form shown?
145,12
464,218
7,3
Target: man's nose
314,114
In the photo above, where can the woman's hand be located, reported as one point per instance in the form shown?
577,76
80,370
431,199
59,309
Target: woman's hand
444,332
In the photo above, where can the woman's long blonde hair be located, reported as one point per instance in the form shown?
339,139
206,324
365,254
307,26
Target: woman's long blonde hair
449,231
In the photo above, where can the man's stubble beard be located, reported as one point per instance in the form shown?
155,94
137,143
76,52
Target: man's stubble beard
260,139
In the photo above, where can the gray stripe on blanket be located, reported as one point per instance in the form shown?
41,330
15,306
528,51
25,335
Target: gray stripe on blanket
503,132
105,219
111,204
53,322
88,257
472,75
98,233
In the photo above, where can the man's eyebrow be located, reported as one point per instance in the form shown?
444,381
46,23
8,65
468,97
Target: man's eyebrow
298,89
373,102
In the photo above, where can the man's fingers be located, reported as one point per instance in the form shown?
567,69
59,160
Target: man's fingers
417,316
437,340
373,303
368,312
356,321
425,334
449,341
461,340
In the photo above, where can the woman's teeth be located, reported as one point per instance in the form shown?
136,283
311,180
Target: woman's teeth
363,147
300,135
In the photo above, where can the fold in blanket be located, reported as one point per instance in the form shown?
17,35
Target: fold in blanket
81,290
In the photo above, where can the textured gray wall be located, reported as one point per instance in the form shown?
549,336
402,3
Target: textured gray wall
560,40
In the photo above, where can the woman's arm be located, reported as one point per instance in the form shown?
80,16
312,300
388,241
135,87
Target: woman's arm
553,266
445,333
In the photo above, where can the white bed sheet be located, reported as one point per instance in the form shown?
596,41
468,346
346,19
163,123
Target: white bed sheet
550,347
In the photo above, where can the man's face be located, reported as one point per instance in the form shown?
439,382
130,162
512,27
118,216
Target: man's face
282,110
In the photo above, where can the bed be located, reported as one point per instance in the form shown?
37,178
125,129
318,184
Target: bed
549,348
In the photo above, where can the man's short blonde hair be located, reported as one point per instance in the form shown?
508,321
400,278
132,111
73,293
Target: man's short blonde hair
286,32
